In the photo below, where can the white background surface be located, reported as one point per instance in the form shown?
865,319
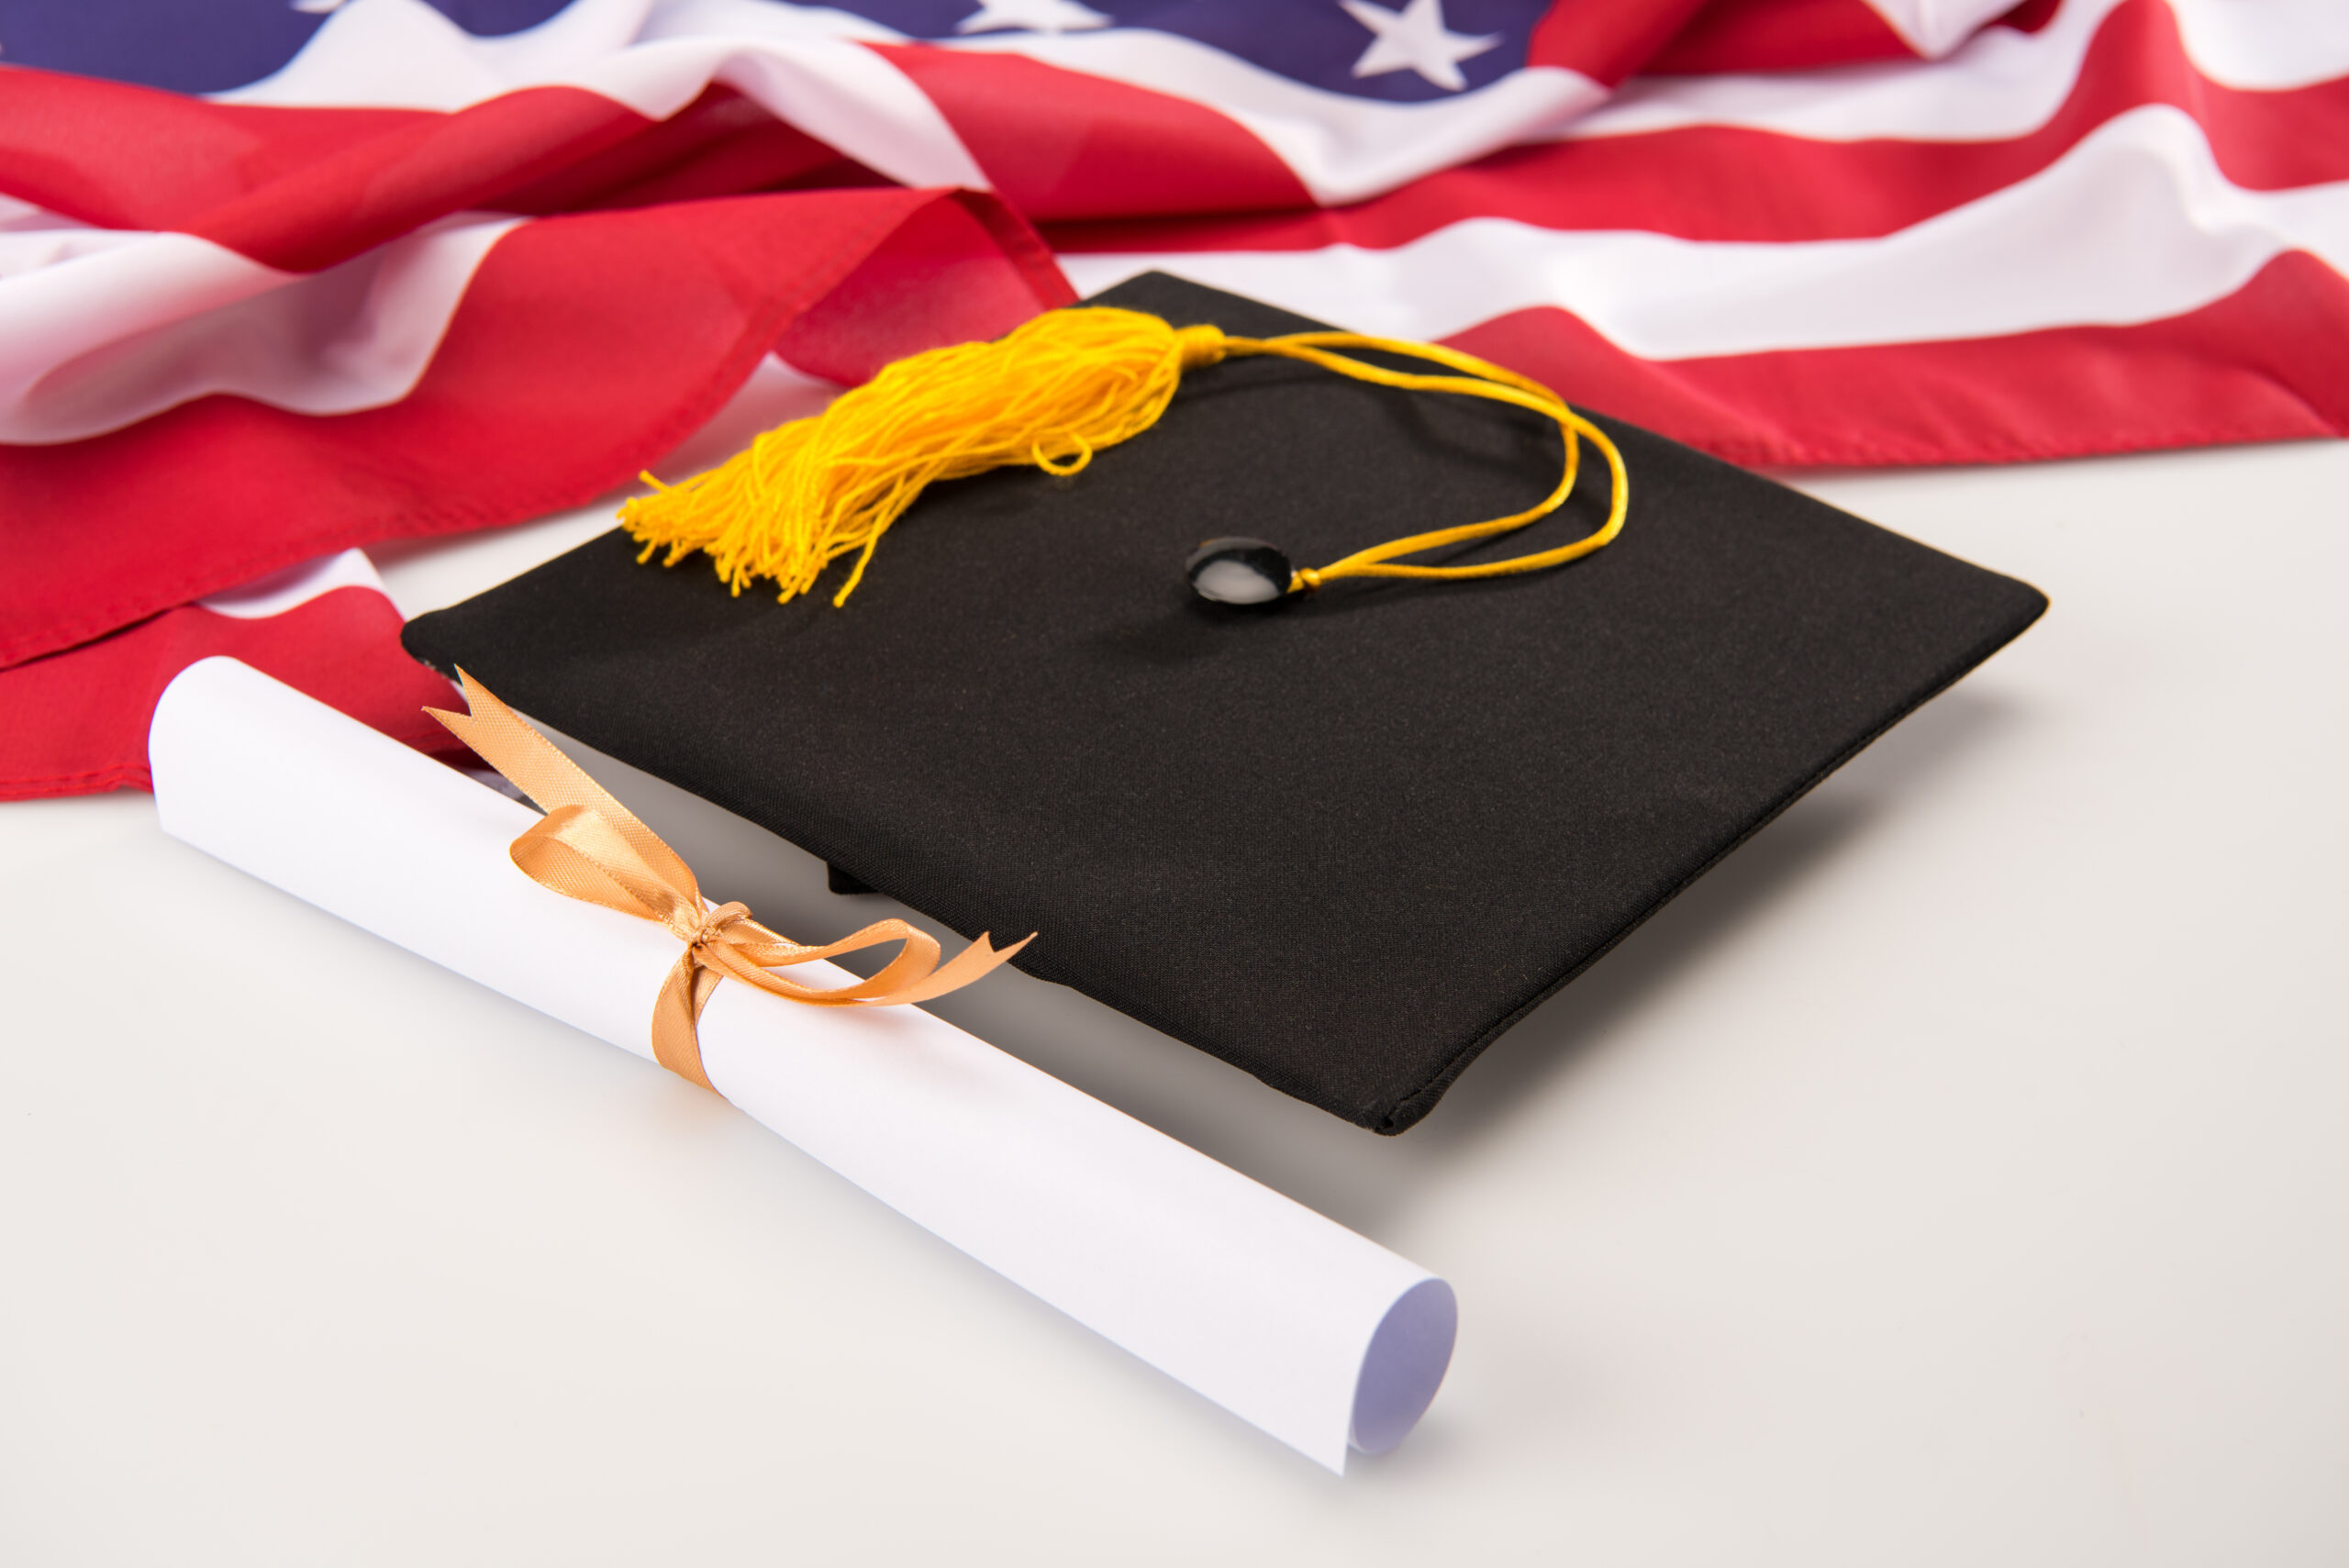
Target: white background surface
1959,1174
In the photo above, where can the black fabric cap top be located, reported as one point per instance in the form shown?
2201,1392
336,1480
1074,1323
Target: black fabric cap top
1341,841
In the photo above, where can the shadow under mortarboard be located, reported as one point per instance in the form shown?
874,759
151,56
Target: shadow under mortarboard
1352,1175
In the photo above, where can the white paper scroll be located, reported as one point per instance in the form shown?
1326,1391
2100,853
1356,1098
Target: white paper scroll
1290,1322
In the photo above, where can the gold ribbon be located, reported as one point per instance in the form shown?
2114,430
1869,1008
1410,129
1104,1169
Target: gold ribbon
590,847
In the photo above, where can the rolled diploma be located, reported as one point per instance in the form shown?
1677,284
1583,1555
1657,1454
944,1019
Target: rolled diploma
1287,1319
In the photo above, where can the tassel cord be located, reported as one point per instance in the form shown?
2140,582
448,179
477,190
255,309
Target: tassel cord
1481,379
1051,394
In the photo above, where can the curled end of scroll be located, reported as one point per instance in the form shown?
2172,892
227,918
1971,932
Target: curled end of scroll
1405,1366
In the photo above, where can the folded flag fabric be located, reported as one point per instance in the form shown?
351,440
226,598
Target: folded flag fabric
281,279
77,723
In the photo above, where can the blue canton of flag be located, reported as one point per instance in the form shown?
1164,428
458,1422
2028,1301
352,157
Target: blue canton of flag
1407,51
207,47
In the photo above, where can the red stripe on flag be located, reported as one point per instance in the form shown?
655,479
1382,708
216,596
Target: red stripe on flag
290,192
75,723
1779,35
2260,365
1606,43
124,157
721,144
1061,144
303,189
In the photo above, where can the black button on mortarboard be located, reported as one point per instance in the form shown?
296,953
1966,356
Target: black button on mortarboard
1239,572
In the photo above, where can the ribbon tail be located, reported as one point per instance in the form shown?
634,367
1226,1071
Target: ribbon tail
677,1043
916,958
914,975
537,766
971,963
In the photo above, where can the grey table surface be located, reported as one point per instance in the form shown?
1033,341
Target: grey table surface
1959,1174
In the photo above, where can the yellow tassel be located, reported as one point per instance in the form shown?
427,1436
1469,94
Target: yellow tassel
1051,394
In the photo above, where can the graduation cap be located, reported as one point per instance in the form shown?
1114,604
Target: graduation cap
1342,840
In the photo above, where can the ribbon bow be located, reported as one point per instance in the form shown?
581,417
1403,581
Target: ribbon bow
590,847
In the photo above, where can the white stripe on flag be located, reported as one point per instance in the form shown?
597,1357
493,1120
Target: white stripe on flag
100,327
404,54
295,586
2269,47
2134,224
2001,84
1933,28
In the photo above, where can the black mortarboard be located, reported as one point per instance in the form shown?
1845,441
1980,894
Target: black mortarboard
1342,841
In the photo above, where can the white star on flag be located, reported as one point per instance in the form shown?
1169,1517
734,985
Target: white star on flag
1415,38
1031,15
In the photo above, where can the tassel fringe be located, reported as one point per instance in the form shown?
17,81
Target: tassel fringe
1051,394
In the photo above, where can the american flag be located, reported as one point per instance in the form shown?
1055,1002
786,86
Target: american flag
278,280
